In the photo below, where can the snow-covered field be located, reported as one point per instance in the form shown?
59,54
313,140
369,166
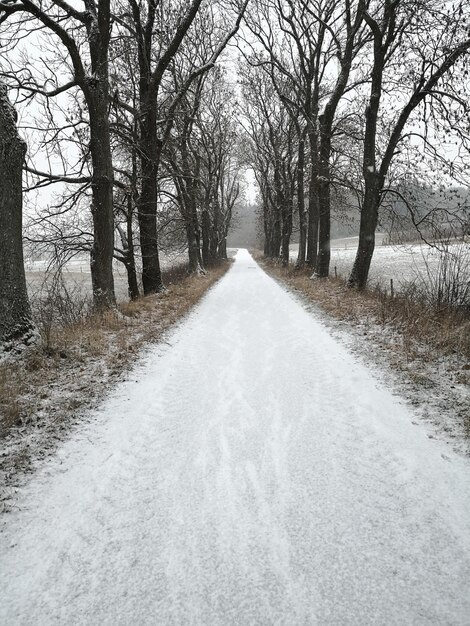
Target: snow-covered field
400,263
250,471
76,274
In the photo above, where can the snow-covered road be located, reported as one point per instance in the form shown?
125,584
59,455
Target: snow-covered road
253,472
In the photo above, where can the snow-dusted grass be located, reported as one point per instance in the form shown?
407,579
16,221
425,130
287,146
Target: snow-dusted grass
43,392
427,348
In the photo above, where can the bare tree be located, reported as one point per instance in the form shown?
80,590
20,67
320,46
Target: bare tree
16,325
344,28
216,145
156,50
437,44
90,73
274,135
153,60
294,38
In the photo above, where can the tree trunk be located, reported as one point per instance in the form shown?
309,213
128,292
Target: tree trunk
369,217
301,205
128,257
223,249
132,199
206,238
276,237
133,285
102,252
193,248
267,235
286,231
96,91
213,243
313,203
192,232
215,234
322,268
147,203
373,180
16,325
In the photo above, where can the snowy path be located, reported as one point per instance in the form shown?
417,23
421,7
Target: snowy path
252,473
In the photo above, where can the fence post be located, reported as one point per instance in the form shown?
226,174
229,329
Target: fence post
391,288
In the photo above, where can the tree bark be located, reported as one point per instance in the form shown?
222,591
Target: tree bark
326,131
95,88
286,230
368,225
223,249
276,237
193,247
101,262
373,179
16,325
206,238
313,202
132,283
147,203
301,205
324,248
216,227
127,240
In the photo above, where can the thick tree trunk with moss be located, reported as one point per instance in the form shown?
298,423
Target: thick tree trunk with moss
16,325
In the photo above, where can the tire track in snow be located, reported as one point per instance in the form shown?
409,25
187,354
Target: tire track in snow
251,473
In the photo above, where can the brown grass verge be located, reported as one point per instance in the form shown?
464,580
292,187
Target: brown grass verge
43,392
416,338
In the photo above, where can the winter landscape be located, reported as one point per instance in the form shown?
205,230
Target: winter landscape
234,312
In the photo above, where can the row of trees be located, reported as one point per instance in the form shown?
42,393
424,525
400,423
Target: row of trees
342,100
351,99
131,117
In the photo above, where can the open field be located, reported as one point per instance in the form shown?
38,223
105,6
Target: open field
401,263
77,277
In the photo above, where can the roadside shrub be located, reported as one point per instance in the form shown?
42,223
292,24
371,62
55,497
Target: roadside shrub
59,303
447,285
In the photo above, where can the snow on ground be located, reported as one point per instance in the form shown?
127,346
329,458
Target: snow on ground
252,472
401,263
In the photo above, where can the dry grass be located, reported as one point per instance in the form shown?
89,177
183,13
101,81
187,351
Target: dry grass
75,363
417,339
421,331
425,349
